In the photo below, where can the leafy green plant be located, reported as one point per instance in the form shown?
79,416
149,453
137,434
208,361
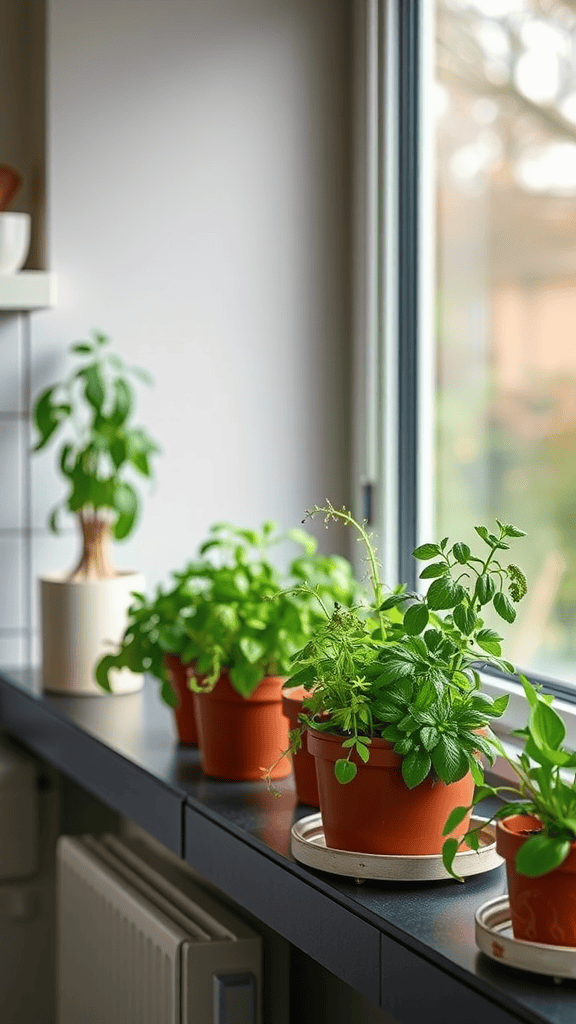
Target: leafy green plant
235,610
407,673
101,451
145,640
543,790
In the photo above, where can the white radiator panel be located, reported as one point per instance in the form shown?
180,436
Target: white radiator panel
133,949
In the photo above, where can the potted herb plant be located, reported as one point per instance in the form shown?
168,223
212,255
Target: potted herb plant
102,452
233,622
152,642
536,827
397,716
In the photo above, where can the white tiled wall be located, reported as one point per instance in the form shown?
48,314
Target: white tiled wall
27,548
14,533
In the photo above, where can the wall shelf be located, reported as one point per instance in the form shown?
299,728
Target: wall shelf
27,290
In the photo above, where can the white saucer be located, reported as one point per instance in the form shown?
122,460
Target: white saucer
308,846
494,937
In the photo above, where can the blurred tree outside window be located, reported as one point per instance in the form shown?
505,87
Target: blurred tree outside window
505,431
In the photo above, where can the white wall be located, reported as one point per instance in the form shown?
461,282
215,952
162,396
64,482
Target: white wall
197,208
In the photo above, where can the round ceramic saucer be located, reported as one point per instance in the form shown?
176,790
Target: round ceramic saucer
494,937
308,846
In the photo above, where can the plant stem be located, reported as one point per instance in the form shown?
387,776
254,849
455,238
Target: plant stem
95,562
346,517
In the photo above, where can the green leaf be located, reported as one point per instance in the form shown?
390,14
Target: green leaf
245,677
513,531
118,452
464,618
432,638
461,553
386,710
449,760
93,386
43,410
415,767
444,593
362,751
122,401
449,851
124,525
490,641
504,607
169,695
252,649
473,840
82,349
393,601
125,498
53,525
499,706
485,588
301,678
305,539
48,416
345,771
404,746
416,618
541,854
482,532
102,673
454,818
429,736
530,692
426,551
140,462
432,571
475,769
546,726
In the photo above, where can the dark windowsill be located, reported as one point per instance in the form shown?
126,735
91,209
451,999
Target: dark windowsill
408,948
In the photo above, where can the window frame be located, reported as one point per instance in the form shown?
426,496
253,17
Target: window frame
395,340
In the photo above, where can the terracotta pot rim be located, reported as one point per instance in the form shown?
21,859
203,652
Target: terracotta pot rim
509,841
268,691
328,745
292,699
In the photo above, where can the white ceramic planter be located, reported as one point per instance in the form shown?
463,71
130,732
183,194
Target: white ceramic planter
14,241
81,621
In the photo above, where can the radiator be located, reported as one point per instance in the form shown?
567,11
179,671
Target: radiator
135,948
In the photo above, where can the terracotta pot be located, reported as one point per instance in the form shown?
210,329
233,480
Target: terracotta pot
179,674
542,909
240,737
376,812
302,761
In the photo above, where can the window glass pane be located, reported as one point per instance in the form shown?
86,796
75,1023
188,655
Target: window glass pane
505,438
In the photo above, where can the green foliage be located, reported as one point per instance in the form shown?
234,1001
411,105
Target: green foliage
102,450
234,609
543,790
407,674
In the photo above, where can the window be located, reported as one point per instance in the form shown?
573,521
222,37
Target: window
480,270
505,432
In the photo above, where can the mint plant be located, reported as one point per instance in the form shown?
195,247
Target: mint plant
543,790
407,673
233,609
102,451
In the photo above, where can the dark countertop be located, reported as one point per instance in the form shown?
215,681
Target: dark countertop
409,948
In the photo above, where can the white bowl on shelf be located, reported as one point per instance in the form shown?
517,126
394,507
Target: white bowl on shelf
14,241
